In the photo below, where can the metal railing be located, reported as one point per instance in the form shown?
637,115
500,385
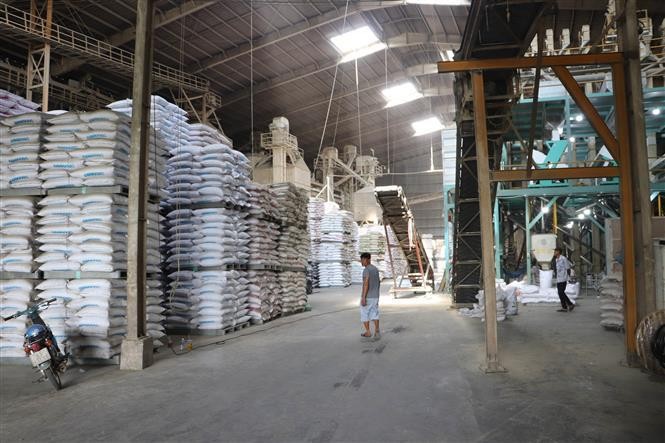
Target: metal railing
112,57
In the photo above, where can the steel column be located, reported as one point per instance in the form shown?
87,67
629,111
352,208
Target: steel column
627,208
138,189
492,363
628,31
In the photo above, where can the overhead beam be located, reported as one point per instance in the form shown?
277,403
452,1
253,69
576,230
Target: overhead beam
298,74
127,35
514,175
530,62
290,32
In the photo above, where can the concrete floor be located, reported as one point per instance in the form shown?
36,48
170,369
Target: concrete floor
310,378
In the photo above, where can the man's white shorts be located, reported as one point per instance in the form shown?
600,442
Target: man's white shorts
370,311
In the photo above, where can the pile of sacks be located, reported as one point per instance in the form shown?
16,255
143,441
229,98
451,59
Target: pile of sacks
545,292
264,295
611,301
21,140
12,104
506,303
262,227
14,296
207,170
207,238
294,291
86,149
336,250
294,240
88,233
399,264
208,300
89,319
16,234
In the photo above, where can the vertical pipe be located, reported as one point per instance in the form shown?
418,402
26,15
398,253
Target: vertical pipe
527,238
138,172
492,363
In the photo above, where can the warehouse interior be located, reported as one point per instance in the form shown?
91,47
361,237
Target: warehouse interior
186,187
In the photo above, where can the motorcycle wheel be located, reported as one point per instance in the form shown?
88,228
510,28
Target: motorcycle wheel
53,377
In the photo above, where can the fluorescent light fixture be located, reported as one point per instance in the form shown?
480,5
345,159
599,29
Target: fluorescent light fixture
655,111
571,139
545,209
402,93
587,211
439,2
579,117
427,125
569,225
580,216
357,43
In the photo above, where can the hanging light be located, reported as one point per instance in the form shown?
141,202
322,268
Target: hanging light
587,211
655,111
580,216
579,117
545,209
570,224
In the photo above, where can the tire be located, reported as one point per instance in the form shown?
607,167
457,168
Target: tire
53,377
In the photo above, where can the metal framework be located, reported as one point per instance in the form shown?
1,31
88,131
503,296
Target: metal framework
39,56
615,60
75,44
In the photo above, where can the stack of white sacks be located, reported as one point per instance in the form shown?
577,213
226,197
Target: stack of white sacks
262,227
315,212
16,234
21,139
294,294
206,170
12,104
336,249
611,301
294,241
90,316
372,239
264,300
506,303
207,300
14,296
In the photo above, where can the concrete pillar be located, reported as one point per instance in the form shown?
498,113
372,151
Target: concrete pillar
136,350
628,33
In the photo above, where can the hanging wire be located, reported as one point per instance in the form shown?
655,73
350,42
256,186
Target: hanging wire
332,91
360,133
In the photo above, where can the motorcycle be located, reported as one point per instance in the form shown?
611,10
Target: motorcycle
41,346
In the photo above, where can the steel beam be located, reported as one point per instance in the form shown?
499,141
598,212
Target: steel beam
138,191
627,208
492,363
512,175
530,62
589,110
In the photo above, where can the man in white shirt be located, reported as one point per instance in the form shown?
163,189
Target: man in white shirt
562,265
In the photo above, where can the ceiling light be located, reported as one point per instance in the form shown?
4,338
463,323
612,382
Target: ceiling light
587,211
439,2
402,93
571,139
580,216
426,126
655,111
579,117
357,43
570,224
545,209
